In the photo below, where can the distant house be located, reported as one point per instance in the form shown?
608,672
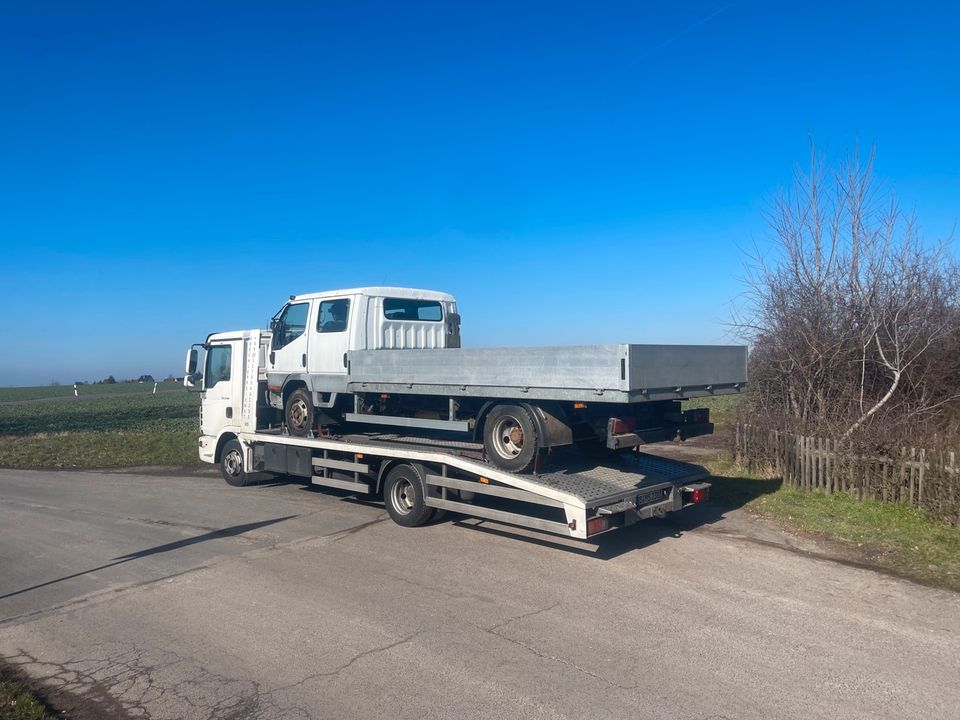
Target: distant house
145,379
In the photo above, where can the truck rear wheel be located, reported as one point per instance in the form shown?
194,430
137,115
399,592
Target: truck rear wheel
231,464
404,492
510,438
298,412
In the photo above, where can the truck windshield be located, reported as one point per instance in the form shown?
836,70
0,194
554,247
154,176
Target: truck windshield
403,309
290,325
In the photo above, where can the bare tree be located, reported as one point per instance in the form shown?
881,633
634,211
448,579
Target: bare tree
852,317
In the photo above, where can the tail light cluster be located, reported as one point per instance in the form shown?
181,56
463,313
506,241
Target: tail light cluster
597,525
620,427
695,495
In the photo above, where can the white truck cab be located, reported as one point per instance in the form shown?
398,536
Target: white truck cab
231,384
312,332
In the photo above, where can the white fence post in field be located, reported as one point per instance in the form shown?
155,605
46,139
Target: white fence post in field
155,388
75,390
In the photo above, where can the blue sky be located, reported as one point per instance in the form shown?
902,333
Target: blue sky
572,172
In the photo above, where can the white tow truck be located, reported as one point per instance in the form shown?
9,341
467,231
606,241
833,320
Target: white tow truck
569,492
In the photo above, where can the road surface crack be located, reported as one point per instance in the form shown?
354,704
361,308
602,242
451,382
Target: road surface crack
495,630
350,663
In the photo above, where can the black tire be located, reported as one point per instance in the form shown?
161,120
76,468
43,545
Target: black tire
510,438
403,495
231,464
299,413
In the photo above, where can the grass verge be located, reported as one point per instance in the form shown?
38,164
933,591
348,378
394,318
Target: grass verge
897,538
17,703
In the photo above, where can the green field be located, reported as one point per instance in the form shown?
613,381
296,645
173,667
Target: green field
106,426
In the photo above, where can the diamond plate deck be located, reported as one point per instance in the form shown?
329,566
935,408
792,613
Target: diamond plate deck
622,475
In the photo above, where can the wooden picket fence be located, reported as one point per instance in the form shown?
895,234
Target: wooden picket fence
923,478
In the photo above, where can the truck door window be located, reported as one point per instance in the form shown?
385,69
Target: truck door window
289,325
333,315
403,309
218,365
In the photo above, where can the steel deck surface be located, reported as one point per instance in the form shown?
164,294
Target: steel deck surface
599,480
590,479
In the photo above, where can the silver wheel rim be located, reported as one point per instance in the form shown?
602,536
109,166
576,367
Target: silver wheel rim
508,437
298,413
402,496
233,463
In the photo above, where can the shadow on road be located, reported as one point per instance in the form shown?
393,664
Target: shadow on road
226,532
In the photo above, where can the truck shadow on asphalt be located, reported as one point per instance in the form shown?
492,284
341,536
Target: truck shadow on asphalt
728,493
213,534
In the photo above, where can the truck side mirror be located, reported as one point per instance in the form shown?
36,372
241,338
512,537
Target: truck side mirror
453,330
191,366
190,375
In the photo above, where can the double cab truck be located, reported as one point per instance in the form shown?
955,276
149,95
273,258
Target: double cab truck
382,356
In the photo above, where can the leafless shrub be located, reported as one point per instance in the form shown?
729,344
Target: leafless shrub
853,319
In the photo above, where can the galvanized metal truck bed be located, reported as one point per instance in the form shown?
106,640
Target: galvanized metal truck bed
609,373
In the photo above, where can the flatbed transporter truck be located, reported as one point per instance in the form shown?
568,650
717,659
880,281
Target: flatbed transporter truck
574,494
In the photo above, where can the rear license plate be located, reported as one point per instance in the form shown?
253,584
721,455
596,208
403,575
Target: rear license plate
652,496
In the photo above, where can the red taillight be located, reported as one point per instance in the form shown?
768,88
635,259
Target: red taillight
597,525
695,495
619,427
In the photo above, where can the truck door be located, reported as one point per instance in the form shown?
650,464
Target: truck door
222,383
288,347
330,337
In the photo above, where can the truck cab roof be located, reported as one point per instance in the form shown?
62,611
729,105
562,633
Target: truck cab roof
379,291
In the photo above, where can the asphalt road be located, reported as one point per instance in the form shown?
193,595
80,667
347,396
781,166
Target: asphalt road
180,597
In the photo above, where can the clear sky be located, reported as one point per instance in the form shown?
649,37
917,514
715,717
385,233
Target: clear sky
572,172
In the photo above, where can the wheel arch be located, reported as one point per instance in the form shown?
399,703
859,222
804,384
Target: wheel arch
221,441
293,382
389,464
553,429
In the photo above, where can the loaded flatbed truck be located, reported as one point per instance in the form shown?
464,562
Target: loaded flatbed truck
569,492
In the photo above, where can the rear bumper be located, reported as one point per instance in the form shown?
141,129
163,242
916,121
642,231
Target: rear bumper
683,431
654,502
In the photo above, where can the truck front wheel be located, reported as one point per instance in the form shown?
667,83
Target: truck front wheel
231,464
298,412
510,438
